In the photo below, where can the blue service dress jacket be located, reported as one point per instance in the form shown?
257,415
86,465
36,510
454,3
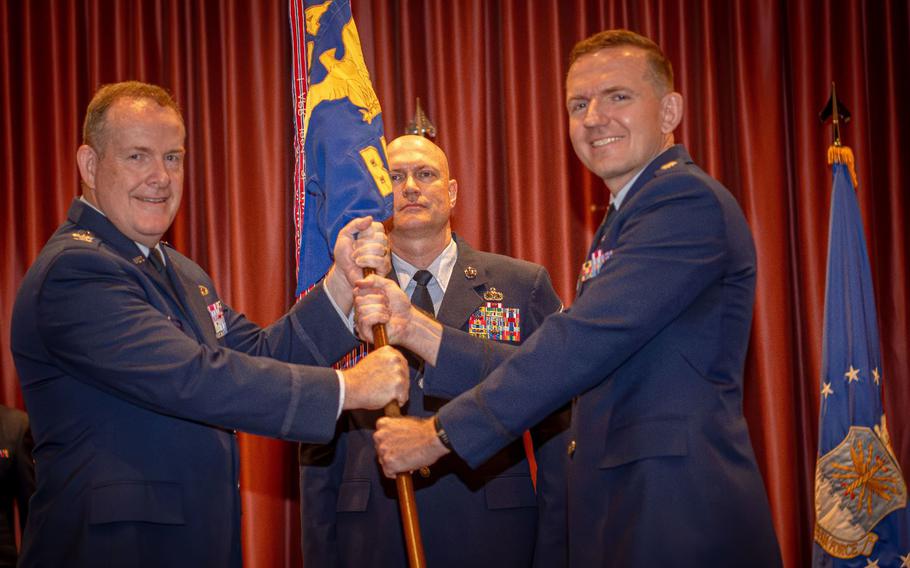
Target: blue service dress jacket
661,469
482,517
135,381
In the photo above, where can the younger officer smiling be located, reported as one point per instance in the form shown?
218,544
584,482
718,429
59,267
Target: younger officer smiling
661,470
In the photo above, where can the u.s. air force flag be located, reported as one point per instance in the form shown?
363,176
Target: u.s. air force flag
346,166
860,494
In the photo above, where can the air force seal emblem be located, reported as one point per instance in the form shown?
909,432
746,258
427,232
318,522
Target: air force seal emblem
857,484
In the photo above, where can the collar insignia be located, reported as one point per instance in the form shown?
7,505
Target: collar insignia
84,236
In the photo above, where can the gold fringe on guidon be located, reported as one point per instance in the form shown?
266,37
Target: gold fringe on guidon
843,155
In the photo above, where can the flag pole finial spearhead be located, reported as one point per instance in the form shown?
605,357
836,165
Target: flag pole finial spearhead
420,125
837,112
837,152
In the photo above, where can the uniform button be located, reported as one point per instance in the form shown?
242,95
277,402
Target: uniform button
571,449
425,471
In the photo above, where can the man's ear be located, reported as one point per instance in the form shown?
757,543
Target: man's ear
453,192
87,159
671,112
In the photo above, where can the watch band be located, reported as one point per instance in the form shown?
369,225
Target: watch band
441,433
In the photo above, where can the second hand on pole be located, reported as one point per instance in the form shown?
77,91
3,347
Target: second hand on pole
403,482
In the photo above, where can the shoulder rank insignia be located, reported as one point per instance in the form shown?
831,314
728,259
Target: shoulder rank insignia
84,236
203,290
216,310
857,484
493,295
668,165
493,321
470,273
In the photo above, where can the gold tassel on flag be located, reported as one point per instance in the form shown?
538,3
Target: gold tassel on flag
843,155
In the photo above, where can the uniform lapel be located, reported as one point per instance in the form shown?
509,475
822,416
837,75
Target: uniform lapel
667,159
602,229
86,217
192,302
464,292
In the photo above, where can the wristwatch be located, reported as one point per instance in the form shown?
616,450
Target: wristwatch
441,433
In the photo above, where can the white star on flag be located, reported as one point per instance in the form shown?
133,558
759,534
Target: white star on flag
852,375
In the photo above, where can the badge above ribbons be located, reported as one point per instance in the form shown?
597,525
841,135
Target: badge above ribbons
494,321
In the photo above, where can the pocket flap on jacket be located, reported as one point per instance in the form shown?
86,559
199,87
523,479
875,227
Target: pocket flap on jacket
509,492
649,439
142,501
353,497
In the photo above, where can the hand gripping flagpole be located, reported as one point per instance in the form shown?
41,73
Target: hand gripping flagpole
403,482
318,28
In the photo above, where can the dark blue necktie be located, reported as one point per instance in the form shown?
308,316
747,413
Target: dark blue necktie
421,299
421,295
602,230
155,260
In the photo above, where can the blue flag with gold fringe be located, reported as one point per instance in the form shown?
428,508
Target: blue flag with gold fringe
860,494
344,148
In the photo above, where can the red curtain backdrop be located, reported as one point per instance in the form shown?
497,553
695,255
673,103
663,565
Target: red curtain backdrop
754,74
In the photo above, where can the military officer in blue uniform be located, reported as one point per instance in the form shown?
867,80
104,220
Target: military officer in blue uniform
483,517
661,470
136,373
